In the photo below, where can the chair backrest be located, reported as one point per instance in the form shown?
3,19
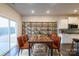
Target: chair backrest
53,35
20,41
25,38
56,39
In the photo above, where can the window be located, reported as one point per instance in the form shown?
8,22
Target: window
4,35
13,34
8,35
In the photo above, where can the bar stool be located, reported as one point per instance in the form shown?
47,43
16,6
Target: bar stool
75,42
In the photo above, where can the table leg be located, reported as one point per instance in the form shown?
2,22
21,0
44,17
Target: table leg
77,48
51,50
29,49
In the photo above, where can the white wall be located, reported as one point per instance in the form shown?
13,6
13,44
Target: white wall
39,19
8,12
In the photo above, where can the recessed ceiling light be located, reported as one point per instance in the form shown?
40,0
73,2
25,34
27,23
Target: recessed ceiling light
47,11
75,10
33,11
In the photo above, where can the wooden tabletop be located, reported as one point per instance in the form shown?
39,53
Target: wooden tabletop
40,39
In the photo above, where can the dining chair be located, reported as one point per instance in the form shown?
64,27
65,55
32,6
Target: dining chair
25,38
52,35
21,45
56,43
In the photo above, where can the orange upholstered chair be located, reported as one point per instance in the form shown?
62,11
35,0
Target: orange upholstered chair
56,43
52,35
21,44
25,38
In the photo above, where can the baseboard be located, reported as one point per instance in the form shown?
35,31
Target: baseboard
66,43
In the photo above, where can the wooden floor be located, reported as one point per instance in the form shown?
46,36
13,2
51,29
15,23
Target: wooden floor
64,51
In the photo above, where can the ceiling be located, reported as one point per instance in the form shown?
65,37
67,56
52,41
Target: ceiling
56,9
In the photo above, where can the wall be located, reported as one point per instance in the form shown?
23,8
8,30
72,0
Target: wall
8,12
39,19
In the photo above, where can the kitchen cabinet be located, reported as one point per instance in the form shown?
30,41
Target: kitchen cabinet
63,24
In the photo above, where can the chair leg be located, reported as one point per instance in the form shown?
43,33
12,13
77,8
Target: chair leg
55,50
72,47
18,51
21,51
49,52
59,52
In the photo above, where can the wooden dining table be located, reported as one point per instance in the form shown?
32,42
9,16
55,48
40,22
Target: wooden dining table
40,39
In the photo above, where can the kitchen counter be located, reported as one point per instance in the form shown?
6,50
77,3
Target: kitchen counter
69,31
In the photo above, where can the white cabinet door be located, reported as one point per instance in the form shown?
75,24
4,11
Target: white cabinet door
63,24
73,20
67,38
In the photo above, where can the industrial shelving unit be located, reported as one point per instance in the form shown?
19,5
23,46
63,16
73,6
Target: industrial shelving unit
34,28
